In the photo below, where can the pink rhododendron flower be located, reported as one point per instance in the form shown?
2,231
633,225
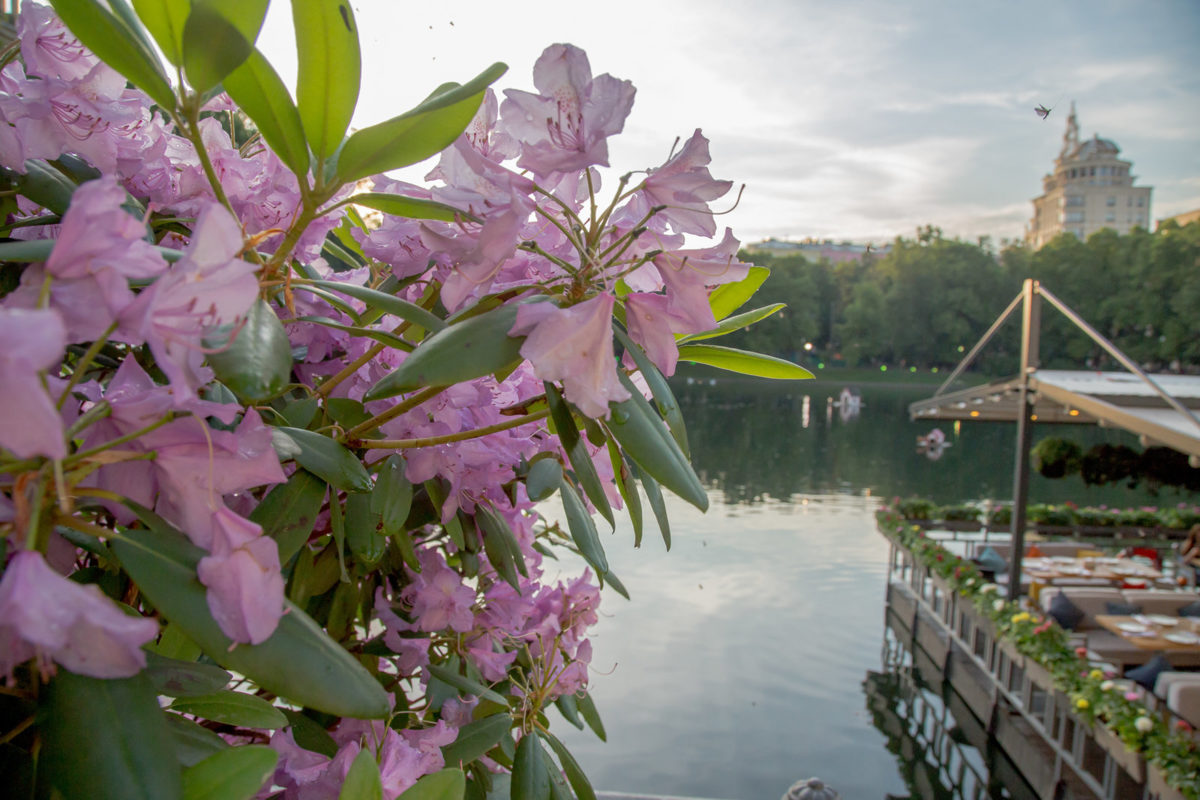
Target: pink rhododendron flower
30,342
574,345
438,597
652,325
245,586
685,186
566,126
687,274
52,618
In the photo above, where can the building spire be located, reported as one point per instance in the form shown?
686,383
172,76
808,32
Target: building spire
1071,137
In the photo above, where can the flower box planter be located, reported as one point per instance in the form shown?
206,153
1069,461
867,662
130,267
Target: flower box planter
1132,762
1039,675
1051,530
1157,786
959,525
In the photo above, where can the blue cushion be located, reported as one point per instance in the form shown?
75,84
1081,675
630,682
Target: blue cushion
1122,609
1147,673
1064,612
1192,609
992,561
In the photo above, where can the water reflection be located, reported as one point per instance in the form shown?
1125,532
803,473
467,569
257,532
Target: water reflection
754,441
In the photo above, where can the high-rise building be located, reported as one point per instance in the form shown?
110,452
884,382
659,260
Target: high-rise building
1091,188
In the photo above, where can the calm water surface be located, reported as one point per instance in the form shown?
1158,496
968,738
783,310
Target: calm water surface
737,668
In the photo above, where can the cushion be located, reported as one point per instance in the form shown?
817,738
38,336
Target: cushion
1192,609
992,561
1122,609
1147,674
1034,552
1064,612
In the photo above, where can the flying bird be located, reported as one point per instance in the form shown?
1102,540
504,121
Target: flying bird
1042,111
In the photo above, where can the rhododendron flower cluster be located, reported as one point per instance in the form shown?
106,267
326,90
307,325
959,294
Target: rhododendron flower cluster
279,425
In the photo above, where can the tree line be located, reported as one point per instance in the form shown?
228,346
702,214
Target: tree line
929,299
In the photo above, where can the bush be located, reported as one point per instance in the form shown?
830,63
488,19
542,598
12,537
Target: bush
916,508
1000,515
1097,517
1055,457
960,513
1044,514
1138,517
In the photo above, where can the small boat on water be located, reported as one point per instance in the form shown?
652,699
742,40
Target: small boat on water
932,444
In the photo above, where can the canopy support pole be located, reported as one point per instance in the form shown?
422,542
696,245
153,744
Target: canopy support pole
1031,323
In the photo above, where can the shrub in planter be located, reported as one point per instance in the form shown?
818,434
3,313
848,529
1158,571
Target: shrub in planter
1055,457
916,508
1179,519
1138,517
1000,515
1096,517
1044,514
960,513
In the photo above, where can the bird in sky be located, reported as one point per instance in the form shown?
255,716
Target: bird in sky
1042,111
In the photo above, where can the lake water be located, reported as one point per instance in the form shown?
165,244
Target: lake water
738,666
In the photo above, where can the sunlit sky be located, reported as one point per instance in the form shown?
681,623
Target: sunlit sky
854,120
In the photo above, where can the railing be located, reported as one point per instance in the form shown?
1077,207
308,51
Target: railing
1014,695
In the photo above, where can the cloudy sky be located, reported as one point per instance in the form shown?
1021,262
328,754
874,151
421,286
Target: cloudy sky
848,120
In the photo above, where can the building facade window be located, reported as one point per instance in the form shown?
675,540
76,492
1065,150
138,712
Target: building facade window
1112,201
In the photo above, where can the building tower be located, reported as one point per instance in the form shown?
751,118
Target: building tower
1091,188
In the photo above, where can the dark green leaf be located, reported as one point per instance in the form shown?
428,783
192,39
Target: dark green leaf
411,207
476,738
655,499
233,23
346,411
611,578
570,710
257,364
46,186
465,684
447,784
410,312
729,297
330,71
735,323
299,413
298,662
193,743
558,784
383,337
289,511
363,781
543,479
116,45
578,453
530,779
741,361
364,531
417,134
579,781
392,497
260,92
583,530
232,708
165,19
310,735
329,460
470,349
663,396
236,773
106,740
175,678
501,546
629,492
22,252
590,715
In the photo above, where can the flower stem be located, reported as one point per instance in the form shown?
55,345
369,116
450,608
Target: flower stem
404,406
84,362
430,441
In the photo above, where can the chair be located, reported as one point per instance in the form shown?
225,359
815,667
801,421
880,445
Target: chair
1148,553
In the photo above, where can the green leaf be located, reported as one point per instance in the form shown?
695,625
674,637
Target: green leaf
392,496
569,709
106,740
363,781
590,715
383,337
729,297
501,546
629,492
447,784
298,661
578,453
46,186
175,678
579,781
299,413
411,207
655,499
664,398
193,743
259,91
583,530
165,20
233,23
257,364
530,780
465,684
476,738
543,479
289,511
733,360
645,439
417,134
328,460
233,708
410,312
470,349
310,735
611,578
236,773
735,323
364,530
330,71
116,45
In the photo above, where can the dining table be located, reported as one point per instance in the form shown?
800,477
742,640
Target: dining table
1155,632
